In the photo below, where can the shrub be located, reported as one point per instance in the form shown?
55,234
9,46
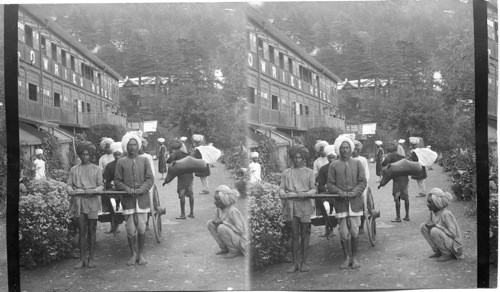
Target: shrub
59,175
267,234
493,234
235,158
45,227
268,159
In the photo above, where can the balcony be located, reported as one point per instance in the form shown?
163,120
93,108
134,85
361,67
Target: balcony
289,121
34,111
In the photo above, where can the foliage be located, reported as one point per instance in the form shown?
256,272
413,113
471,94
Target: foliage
235,158
267,236
493,229
45,227
268,159
321,133
51,152
59,175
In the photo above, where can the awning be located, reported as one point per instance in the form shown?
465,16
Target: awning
29,135
61,135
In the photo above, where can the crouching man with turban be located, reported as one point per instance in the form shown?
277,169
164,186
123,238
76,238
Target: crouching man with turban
228,225
441,230
298,180
347,178
133,174
85,177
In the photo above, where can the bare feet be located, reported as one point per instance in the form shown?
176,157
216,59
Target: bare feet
355,264
406,218
91,264
142,260
345,264
132,260
222,251
231,255
293,269
304,268
444,258
181,217
80,265
397,220
191,215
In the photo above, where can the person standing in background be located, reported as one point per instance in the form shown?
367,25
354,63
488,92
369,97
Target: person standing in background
419,178
108,157
378,159
162,160
255,168
198,141
39,165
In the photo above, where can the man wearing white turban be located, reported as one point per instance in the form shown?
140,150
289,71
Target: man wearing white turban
441,230
133,175
322,159
414,141
39,164
347,178
108,176
321,180
228,226
401,148
254,167
197,141
108,157
355,154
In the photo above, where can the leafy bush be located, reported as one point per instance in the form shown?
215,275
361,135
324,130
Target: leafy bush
59,175
45,227
268,159
493,234
267,234
235,158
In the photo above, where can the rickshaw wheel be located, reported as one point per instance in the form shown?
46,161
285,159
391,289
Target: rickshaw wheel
155,215
371,224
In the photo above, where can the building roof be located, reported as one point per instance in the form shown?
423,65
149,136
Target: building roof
37,13
259,20
28,135
365,83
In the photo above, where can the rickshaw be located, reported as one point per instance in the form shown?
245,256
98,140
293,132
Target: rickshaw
117,217
369,213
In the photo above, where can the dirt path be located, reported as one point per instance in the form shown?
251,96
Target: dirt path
398,261
184,260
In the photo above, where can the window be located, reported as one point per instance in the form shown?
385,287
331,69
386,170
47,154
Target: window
306,110
87,72
72,63
274,102
32,89
63,59
261,48
290,65
88,107
301,112
54,52
57,100
282,60
28,36
83,106
251,95
271,54
44,45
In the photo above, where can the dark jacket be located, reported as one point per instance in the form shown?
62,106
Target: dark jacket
134,173
347,176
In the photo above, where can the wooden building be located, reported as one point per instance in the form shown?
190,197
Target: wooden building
492,27
61,83
288,90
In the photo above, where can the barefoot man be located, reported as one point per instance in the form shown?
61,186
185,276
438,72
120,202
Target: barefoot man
133,174
346,177
85,177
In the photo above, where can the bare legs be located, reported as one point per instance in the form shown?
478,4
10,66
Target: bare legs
300,232
87,231
182,198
